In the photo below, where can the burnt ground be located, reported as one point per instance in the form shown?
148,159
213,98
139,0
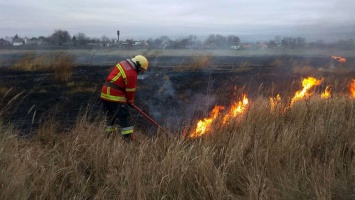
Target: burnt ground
170,96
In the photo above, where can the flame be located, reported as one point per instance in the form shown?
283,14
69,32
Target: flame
352,88
339,59
275,102
327,93
236,109
307,84
204,125
239,107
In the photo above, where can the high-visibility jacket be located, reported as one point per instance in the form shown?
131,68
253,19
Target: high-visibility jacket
121,83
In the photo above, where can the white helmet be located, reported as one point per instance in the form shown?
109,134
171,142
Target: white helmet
142,61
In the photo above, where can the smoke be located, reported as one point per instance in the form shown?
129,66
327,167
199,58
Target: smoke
170,105
142,76
165,110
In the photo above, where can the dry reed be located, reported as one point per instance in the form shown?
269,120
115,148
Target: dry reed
305,152
196,63
61,64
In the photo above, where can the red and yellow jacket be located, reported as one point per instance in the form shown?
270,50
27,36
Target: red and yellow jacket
120,85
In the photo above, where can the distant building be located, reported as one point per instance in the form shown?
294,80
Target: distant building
4,42
32,41
18,42
235,47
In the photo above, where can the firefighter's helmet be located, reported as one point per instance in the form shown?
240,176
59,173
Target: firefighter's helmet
142,61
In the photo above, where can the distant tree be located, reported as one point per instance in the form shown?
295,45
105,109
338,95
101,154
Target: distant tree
4,42
75,41
60,37
194,41
287,42
105,40
317,44
272,44
42,38
210,41
189,42
161,42
129,42
81,39
277,39
300,42
233,40
290,42
220,41
346,44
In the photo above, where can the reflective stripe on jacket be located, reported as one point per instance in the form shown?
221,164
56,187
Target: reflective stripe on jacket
124,75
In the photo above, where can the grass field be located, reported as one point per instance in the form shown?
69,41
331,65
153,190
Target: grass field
187,52
271,149
304,153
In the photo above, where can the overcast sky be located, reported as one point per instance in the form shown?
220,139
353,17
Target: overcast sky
143,19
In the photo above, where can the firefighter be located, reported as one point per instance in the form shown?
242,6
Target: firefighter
118,92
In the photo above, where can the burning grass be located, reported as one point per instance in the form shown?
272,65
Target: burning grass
60,63
306,152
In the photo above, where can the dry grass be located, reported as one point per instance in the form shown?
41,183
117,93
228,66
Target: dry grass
244,67
80,87
278,62
3,90
196,63
305,70
60,63
306,152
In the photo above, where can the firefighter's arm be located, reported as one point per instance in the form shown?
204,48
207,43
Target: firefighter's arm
131,89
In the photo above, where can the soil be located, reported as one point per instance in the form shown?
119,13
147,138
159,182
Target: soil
172,97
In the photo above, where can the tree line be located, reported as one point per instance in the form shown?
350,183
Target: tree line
63,38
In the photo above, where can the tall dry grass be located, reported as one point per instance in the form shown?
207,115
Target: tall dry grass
61,64
305,152
195,63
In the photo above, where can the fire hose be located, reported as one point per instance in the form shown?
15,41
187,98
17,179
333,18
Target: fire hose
146,116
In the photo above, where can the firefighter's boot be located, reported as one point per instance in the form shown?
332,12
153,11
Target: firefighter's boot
128,137
111,130
127,134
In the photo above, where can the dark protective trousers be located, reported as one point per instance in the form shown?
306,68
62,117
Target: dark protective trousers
116,112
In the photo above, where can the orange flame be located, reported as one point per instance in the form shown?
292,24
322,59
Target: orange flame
307,84
339,59
275,102
236,109
204,125
352,88
327,93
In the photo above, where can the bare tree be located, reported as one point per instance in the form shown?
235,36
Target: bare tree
233,40
220,41
82,40
60,37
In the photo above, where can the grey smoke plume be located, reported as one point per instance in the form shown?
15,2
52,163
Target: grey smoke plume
171,110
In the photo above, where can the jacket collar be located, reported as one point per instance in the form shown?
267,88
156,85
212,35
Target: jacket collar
131,63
